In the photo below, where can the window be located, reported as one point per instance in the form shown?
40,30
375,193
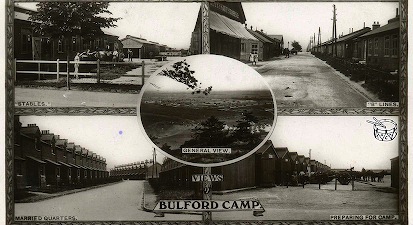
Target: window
387,46
57,171
242,47
254,48
37,144
69,172
74,41
370,48
78,172
85,174
60,46
376,47
395,45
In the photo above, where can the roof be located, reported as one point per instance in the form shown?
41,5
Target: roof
61,141
277,36
109,33
84,151
301,158
30,130
78,148
70,145
293,155
64,164
391,26
353,35
52,162
224,25
281,152
259,36
139,41
268,37
265,147
36,159
47,137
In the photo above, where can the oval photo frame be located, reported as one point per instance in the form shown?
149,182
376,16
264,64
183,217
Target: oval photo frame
190,99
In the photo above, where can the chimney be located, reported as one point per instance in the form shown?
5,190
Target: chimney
352,30
397,12
375,25
45,131
262,31
57,137
246,26
251,27
31,125
364,24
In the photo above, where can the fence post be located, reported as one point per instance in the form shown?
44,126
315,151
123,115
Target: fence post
143,73
15,69
57,70
352,184
335,185
68,73
38,69
98,71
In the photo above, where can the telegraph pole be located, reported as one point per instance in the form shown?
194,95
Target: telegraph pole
309,163
334,31
319,37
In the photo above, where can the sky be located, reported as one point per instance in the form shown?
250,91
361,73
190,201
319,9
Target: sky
226,75
173,23
340,141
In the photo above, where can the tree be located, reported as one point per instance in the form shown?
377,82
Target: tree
296,46
183,74
244,132
67,19
211,133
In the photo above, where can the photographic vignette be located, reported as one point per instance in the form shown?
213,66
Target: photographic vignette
11,111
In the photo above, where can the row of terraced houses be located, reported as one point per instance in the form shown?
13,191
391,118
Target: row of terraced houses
269,166
137,171
43,159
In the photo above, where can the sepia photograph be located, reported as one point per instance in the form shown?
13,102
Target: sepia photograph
313,55
224,111
71,168
209,112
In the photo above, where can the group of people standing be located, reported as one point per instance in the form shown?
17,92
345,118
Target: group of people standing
114,56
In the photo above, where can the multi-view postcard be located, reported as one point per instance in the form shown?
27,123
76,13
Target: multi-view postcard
312,55
217,112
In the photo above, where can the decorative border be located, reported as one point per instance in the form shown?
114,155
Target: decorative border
10,111
126,111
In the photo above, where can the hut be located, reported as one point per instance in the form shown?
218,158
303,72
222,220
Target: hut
265,162
140,47
226,32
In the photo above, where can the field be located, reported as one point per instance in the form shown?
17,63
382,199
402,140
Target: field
171,117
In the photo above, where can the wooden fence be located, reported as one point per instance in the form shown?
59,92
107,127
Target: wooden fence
68,73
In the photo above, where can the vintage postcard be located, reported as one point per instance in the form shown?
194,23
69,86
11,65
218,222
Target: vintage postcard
206,112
